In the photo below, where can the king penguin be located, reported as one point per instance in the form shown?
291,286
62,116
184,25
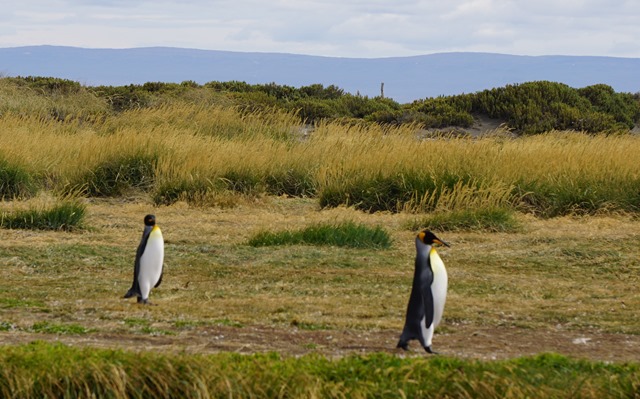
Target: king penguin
428,293
147,270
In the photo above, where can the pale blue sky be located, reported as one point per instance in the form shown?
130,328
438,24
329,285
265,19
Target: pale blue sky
356,28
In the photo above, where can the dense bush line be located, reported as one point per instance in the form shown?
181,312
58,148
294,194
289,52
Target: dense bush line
528,108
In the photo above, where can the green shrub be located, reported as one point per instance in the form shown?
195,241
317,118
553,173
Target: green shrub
443,111
537,107
123,98
49,85
49,328
345,234
66,215
312,110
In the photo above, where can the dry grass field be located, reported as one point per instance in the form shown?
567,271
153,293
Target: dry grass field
567,285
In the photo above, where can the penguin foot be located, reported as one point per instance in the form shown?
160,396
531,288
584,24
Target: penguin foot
129,294
403,345
429,350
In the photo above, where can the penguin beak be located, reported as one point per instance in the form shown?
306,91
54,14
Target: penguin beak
439,241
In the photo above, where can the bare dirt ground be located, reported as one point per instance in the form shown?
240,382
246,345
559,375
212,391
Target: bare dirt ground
465,342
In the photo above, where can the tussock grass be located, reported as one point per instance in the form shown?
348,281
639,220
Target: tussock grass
551,174
45,370
79,106
65,214
15,181
344,234
481,219
190,151
115,177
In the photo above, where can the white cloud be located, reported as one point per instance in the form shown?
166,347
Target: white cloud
354,28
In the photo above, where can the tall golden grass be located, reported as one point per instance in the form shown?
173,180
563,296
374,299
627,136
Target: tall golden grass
368,166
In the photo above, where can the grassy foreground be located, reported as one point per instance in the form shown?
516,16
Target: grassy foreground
53,370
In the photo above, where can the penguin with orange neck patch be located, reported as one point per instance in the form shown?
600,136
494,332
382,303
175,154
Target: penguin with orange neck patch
428,293
147,271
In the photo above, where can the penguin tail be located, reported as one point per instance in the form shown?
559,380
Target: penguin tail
429,350
403,345
132,292
159,281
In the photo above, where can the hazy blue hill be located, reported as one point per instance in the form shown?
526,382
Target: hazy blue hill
405,78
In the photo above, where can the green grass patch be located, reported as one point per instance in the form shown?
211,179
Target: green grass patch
309,326
137,323
228,323
345,234
8,303
51,328
54,370
189,324
492,220
144,326
6,326
65,215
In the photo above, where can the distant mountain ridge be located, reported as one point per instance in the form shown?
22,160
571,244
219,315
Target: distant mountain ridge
405,78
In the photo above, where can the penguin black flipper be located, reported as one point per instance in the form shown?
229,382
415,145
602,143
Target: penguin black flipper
159,280
135,287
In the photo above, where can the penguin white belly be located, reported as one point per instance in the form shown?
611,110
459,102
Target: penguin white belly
439,286
151,263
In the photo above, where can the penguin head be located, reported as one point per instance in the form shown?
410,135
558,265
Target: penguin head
428,238
150,220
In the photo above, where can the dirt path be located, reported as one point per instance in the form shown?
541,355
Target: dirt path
464,342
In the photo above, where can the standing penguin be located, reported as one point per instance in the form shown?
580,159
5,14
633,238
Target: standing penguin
147,271
428,293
